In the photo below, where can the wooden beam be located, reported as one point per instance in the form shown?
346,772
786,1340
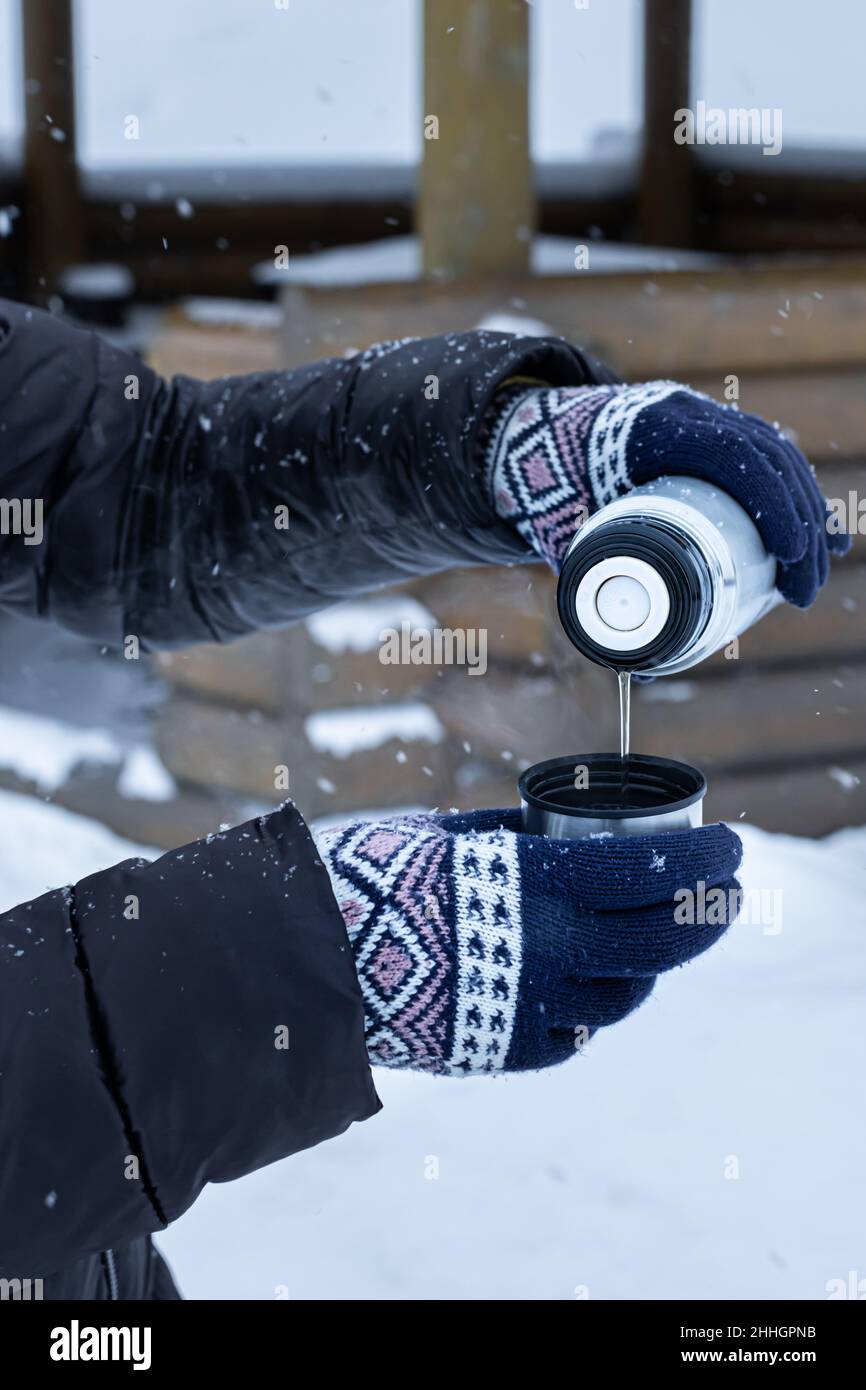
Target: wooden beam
52,204
178,344
825,409
784,235
665,204
777,316
743,716
792,799
476,206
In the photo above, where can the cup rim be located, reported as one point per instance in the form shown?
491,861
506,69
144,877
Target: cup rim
643,760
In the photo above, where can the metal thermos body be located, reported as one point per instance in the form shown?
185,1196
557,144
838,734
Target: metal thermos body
660,578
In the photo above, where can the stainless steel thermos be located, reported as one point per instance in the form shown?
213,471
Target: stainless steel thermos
659,579
654,582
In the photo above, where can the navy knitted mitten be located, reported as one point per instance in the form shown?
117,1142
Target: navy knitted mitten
552,452
480,948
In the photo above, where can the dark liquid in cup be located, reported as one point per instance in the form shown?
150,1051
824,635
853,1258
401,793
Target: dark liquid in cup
613,784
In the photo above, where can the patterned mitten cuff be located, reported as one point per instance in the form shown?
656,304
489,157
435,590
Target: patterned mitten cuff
536,463
482,949
553,456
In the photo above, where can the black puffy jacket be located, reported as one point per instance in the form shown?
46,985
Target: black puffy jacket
145,1012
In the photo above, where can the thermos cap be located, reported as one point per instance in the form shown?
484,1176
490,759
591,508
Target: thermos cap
655,608
663,575
622,603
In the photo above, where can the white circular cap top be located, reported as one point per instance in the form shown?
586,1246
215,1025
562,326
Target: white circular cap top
622,603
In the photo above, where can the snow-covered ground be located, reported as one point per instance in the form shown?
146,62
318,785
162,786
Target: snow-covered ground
712,1145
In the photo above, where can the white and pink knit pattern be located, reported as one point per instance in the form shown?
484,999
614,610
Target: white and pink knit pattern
554,455
434,923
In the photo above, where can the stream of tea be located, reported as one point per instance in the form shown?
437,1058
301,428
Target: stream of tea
624,681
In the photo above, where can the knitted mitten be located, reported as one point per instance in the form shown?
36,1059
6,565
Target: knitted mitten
551,452
480,948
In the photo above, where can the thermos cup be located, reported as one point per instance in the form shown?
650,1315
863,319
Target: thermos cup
585,795
659,579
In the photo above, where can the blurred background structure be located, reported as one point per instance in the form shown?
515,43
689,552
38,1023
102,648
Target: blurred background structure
432,165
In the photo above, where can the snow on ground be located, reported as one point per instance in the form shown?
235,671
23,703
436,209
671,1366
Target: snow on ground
359,627
145,777
342,732
607,1174
46,846
46,751
399,259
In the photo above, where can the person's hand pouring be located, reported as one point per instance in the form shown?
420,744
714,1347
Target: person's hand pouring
553,451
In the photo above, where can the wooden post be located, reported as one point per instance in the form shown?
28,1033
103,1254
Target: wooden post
52,204
665,205
476,207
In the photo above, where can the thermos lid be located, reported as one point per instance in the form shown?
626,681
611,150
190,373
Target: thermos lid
632,594
622,603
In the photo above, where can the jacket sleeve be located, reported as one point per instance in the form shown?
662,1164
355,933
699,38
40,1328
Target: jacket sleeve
167,1025
189,511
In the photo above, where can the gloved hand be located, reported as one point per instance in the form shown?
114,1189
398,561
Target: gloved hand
551,451
480,948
